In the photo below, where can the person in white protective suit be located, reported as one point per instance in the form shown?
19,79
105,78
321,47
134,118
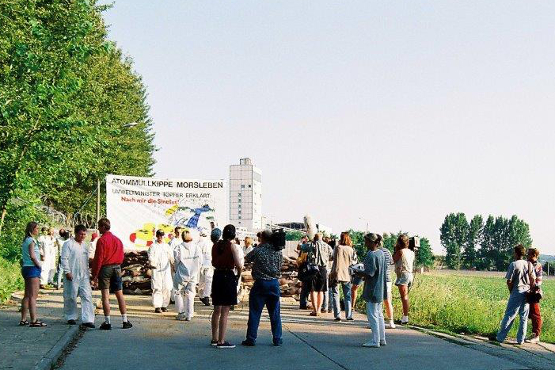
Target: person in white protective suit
75,266
160,256
188,259
48,251
206,270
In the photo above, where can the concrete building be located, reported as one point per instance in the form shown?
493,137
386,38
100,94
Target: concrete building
245,195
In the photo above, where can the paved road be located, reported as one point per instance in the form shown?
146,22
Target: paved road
160,342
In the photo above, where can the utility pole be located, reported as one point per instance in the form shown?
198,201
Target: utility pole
97,201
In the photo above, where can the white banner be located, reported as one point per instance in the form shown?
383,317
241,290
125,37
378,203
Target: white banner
138,206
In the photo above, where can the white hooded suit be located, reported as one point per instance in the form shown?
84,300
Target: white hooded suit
188,259
75,260
160,256
206,269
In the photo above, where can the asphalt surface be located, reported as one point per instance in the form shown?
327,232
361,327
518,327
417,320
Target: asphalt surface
158,341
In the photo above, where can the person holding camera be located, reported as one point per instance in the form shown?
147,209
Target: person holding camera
267,260
404,265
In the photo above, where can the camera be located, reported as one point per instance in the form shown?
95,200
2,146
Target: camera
414,243
278,239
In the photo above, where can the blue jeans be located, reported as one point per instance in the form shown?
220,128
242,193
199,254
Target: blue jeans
346,286
516,305
264,292
374,312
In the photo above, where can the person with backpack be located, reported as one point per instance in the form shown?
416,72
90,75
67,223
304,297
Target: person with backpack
319,255
535,296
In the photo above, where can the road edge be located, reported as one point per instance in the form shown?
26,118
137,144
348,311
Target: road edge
52,356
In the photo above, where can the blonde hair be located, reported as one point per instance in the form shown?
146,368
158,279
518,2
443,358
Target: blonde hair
248,240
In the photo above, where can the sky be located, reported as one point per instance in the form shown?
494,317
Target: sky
390,114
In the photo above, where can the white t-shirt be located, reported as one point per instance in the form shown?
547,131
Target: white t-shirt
519,274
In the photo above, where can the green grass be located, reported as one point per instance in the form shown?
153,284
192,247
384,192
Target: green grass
10,279
467,304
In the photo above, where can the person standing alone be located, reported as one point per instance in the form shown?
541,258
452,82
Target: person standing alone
75,265
106,268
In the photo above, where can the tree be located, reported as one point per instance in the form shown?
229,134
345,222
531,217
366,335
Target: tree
473,240
66,94
294,235
454,233
424,255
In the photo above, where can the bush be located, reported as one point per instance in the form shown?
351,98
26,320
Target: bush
10,279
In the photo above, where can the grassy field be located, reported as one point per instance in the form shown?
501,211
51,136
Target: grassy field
10,279
465,303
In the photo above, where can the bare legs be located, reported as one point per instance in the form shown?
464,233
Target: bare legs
354,290
29,302
317,298
106,302
404,292
121,302
219,323
388,309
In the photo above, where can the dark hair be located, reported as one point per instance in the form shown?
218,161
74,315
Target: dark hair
159,233
177,232
534,251
520,250
402,242
229,232
44,229
29,229
79,228
104,222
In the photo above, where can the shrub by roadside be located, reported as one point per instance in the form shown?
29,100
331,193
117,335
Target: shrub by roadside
10,279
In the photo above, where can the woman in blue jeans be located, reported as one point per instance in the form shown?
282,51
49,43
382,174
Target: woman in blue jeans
343,257
266,270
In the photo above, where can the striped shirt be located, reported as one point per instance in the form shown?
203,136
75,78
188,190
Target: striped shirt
539,272
389,262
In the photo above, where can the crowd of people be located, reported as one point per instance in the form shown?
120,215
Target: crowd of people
191,262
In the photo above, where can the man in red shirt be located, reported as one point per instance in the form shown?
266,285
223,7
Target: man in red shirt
106,270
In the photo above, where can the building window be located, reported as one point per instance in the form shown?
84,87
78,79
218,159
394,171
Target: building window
250,186
242,186
239,194
239,218
239,206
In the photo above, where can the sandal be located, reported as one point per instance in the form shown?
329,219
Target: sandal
23,323
313,314
37,324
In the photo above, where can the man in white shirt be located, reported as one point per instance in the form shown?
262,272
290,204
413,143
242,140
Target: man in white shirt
160,256
75,265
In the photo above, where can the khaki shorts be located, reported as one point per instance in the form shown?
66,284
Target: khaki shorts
110,278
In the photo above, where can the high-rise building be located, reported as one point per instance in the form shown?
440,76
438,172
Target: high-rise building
245,195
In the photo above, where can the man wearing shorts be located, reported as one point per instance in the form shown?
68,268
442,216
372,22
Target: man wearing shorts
106,270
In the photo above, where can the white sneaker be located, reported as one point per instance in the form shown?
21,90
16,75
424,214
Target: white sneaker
371,345
382,343
390,325
405,320
533,340
180,316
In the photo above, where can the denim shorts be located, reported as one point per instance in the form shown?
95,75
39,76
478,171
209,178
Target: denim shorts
404,278
30,272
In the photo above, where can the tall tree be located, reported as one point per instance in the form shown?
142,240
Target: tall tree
424,255
474,239
454,233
